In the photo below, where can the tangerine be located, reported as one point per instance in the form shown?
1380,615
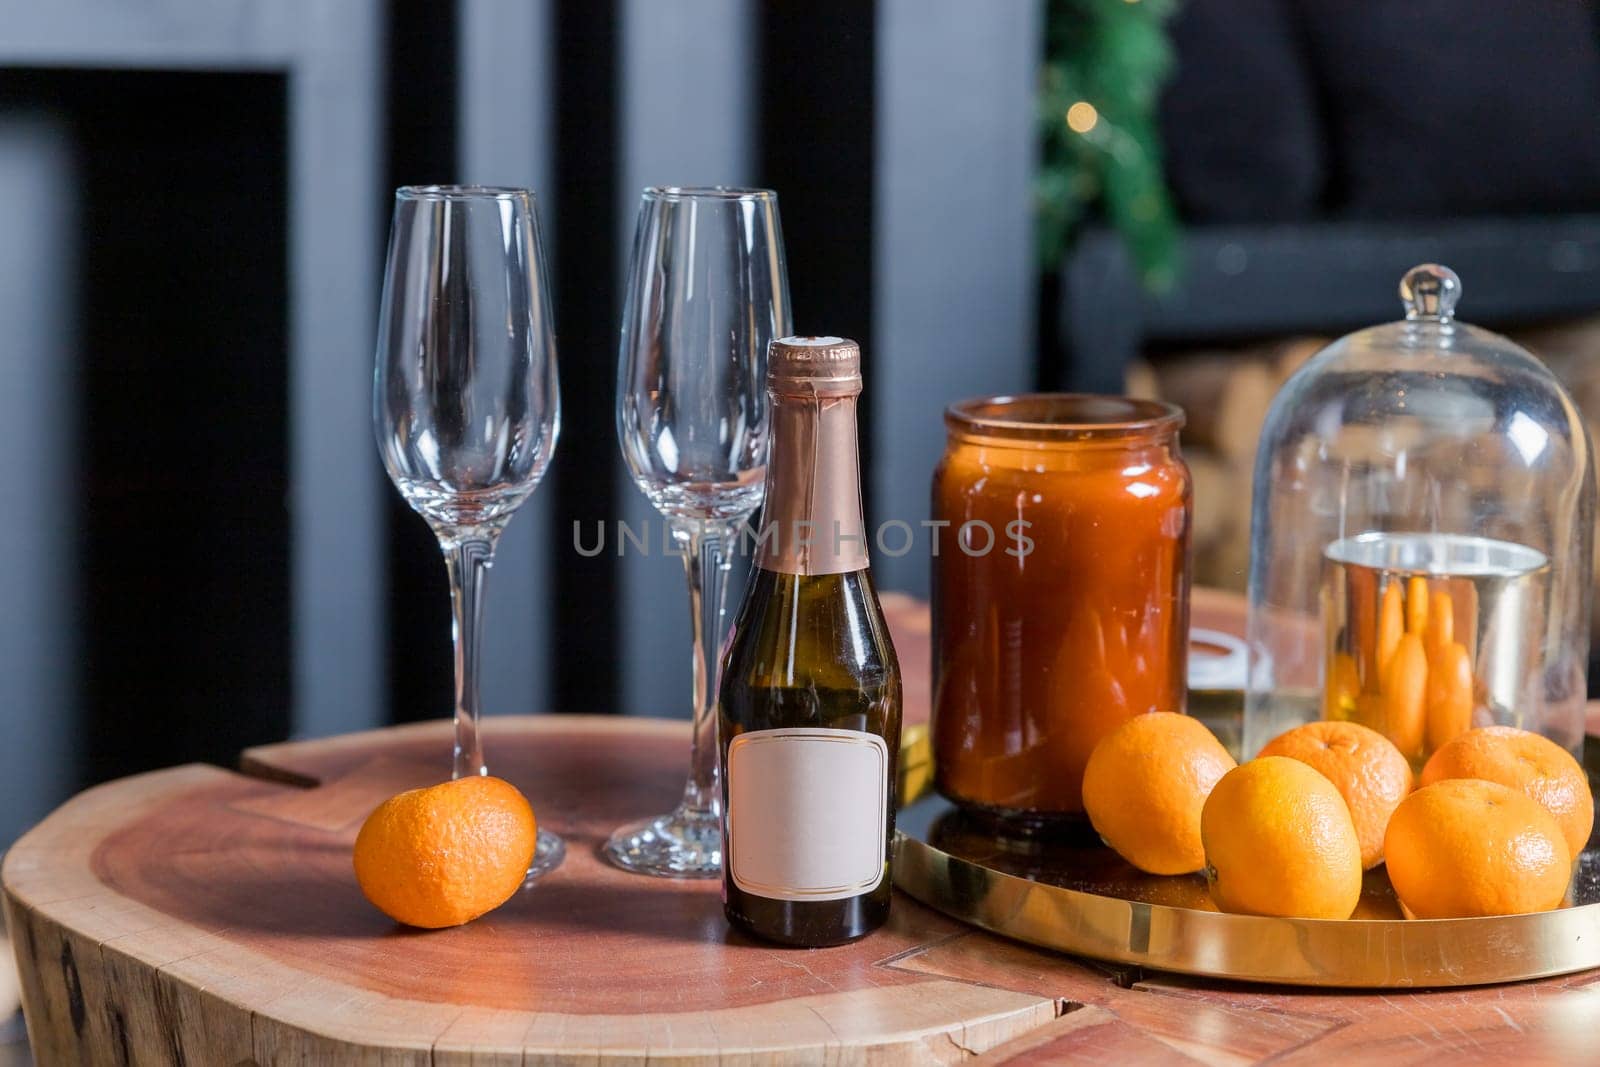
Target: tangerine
446,854
1145,784
1279,841
1469,847
1366,768
1524,761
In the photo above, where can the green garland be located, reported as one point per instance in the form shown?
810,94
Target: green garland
1105,64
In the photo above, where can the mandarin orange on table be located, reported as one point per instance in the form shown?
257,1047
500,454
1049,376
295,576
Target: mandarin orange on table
1468,847
446,854
1366,768
1526,761
1279,841
1145,784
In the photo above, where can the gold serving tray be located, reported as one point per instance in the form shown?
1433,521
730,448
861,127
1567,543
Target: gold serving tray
1080,897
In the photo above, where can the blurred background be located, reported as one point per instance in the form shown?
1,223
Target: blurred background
200,549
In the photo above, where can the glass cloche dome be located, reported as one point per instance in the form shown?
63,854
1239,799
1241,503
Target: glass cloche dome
1421,533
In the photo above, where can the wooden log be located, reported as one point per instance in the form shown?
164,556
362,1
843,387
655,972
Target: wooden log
1221,519
1213,484
1568,347
10,989
198,915
1141,381
1570,350
1290,355
1225,396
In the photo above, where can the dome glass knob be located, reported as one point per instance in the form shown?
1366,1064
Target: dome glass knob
1430,291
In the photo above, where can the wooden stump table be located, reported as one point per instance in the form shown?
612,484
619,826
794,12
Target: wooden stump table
205,916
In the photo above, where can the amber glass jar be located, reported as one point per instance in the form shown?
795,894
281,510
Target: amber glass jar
1060,592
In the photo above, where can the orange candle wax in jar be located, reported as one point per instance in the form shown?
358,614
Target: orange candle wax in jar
1074,615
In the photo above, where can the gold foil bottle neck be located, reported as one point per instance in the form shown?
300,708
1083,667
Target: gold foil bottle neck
812,523
814,366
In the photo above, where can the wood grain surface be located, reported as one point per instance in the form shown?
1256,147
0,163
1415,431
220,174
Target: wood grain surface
198,915
203,916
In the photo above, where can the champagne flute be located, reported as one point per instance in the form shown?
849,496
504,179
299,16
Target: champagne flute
707,292
465,401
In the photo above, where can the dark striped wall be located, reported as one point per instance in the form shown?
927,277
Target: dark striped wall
196,195
899,137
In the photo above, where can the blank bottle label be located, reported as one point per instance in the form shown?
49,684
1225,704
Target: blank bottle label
808,813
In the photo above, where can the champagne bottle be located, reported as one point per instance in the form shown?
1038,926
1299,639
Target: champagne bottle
809,716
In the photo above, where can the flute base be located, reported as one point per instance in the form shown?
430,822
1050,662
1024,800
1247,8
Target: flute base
548,852
679,844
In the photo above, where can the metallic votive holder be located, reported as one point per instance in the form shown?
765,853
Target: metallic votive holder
1496,592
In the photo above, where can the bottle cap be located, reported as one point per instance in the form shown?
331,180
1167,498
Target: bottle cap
814,366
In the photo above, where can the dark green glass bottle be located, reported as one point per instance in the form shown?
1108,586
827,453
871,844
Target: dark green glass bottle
810,698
